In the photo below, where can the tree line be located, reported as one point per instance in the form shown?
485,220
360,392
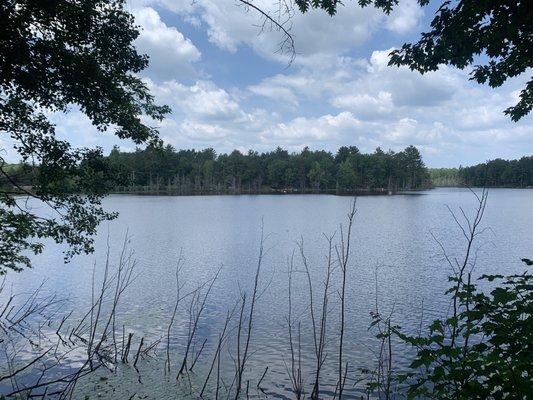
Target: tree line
493,173
159,168
162,168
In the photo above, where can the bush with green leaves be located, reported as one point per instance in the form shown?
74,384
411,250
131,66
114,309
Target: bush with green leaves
485,351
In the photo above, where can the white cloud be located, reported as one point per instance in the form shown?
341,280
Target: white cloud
171,54
317,33
364,104
405,17
326,128
443,113
409,88
230,24
379,60
203,100
203,132
286,87
207,115
407,131
274,92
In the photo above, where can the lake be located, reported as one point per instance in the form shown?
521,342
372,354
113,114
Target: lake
394,260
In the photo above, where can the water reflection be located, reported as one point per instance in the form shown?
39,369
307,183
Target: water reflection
392,236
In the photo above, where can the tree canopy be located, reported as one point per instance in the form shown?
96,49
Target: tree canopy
495,37
161,168
493,173
190,171
54,56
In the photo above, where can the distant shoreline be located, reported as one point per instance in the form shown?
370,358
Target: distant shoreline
281,192
357,192
288,191
481,187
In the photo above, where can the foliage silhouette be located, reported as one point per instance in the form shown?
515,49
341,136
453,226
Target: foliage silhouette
55,56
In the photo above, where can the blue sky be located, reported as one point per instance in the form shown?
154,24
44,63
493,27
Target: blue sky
230,88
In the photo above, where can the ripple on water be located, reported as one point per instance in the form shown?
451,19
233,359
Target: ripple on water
391,236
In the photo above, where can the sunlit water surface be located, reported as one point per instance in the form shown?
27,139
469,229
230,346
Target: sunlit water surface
394,259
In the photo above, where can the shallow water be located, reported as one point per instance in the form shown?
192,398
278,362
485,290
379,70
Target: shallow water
392,241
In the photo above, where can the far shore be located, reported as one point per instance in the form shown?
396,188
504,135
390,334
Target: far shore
265,191
145,191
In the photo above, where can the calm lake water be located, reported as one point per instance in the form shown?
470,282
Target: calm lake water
392,241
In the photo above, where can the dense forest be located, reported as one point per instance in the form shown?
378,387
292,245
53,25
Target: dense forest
494,173
165,169
444,177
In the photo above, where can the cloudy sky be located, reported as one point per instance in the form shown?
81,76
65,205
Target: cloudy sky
230,87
